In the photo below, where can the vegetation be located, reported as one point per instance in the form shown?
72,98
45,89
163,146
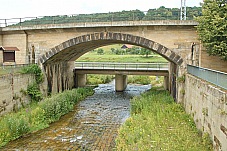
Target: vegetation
212,27
114,53
158,123
33,89
93,79
33,69
138,79
161,13
4,70
39,115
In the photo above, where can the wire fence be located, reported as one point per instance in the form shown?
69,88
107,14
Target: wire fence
212,76
98,17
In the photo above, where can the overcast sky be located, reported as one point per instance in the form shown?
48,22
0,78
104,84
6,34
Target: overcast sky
33,8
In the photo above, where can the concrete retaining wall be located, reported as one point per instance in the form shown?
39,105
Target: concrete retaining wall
12,89
208,105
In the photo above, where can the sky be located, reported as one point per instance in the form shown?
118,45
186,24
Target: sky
35,8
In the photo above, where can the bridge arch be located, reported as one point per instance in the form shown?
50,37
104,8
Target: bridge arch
72,49
59,61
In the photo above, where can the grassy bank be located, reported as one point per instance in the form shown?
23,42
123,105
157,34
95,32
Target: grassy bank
157,123
89,57
109,56
94,79
39,115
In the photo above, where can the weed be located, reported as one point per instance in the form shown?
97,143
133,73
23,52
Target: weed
205,111
158,123
181,79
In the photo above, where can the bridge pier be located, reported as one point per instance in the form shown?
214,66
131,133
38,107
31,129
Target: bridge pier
120,82
166,83
80,80
59,76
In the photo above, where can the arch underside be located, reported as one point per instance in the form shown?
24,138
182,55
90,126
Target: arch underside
74,48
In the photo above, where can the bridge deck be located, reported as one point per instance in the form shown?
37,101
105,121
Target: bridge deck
159,69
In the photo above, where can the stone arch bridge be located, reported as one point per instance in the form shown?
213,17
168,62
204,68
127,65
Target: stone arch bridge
56,47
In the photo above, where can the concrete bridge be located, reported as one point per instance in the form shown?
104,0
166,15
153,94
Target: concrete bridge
57,46
120,70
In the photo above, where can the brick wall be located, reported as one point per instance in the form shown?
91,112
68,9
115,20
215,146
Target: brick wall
208,105
11,90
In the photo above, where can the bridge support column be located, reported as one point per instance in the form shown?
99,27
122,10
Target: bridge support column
166,83
1,52
59,76
81,80
120,82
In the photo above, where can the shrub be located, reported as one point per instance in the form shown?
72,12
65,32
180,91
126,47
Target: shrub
33,69
34,92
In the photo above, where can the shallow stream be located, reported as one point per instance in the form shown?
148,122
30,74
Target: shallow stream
93,125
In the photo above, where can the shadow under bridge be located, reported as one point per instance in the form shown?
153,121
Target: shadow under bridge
120,70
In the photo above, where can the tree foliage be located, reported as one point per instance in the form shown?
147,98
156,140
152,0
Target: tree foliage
212,27
160,13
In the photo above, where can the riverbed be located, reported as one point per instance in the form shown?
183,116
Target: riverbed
93,125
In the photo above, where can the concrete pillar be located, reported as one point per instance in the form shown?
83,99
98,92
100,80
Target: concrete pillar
120,82
59,76
1,57
172,80
1,51
166,83
81,80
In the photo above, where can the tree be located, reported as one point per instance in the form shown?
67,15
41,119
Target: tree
145,51
100,51
212,27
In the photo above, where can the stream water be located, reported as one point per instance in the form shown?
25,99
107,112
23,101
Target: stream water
93,125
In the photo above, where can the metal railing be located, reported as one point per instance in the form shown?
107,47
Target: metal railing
96,17
121,66
212,76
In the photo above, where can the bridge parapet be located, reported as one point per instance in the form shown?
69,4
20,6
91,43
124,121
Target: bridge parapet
102,24
121,66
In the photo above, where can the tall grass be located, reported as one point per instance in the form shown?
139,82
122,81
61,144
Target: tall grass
39,115
157,123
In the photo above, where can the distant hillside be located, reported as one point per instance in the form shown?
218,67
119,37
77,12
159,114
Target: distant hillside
160,13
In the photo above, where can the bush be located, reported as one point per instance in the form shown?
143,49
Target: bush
33,69
34,92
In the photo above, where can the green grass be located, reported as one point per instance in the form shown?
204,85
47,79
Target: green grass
158,123
94,79
92,57
37,116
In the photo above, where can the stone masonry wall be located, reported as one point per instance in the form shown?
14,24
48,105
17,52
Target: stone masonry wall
11,90
212,62
208,105
19,41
